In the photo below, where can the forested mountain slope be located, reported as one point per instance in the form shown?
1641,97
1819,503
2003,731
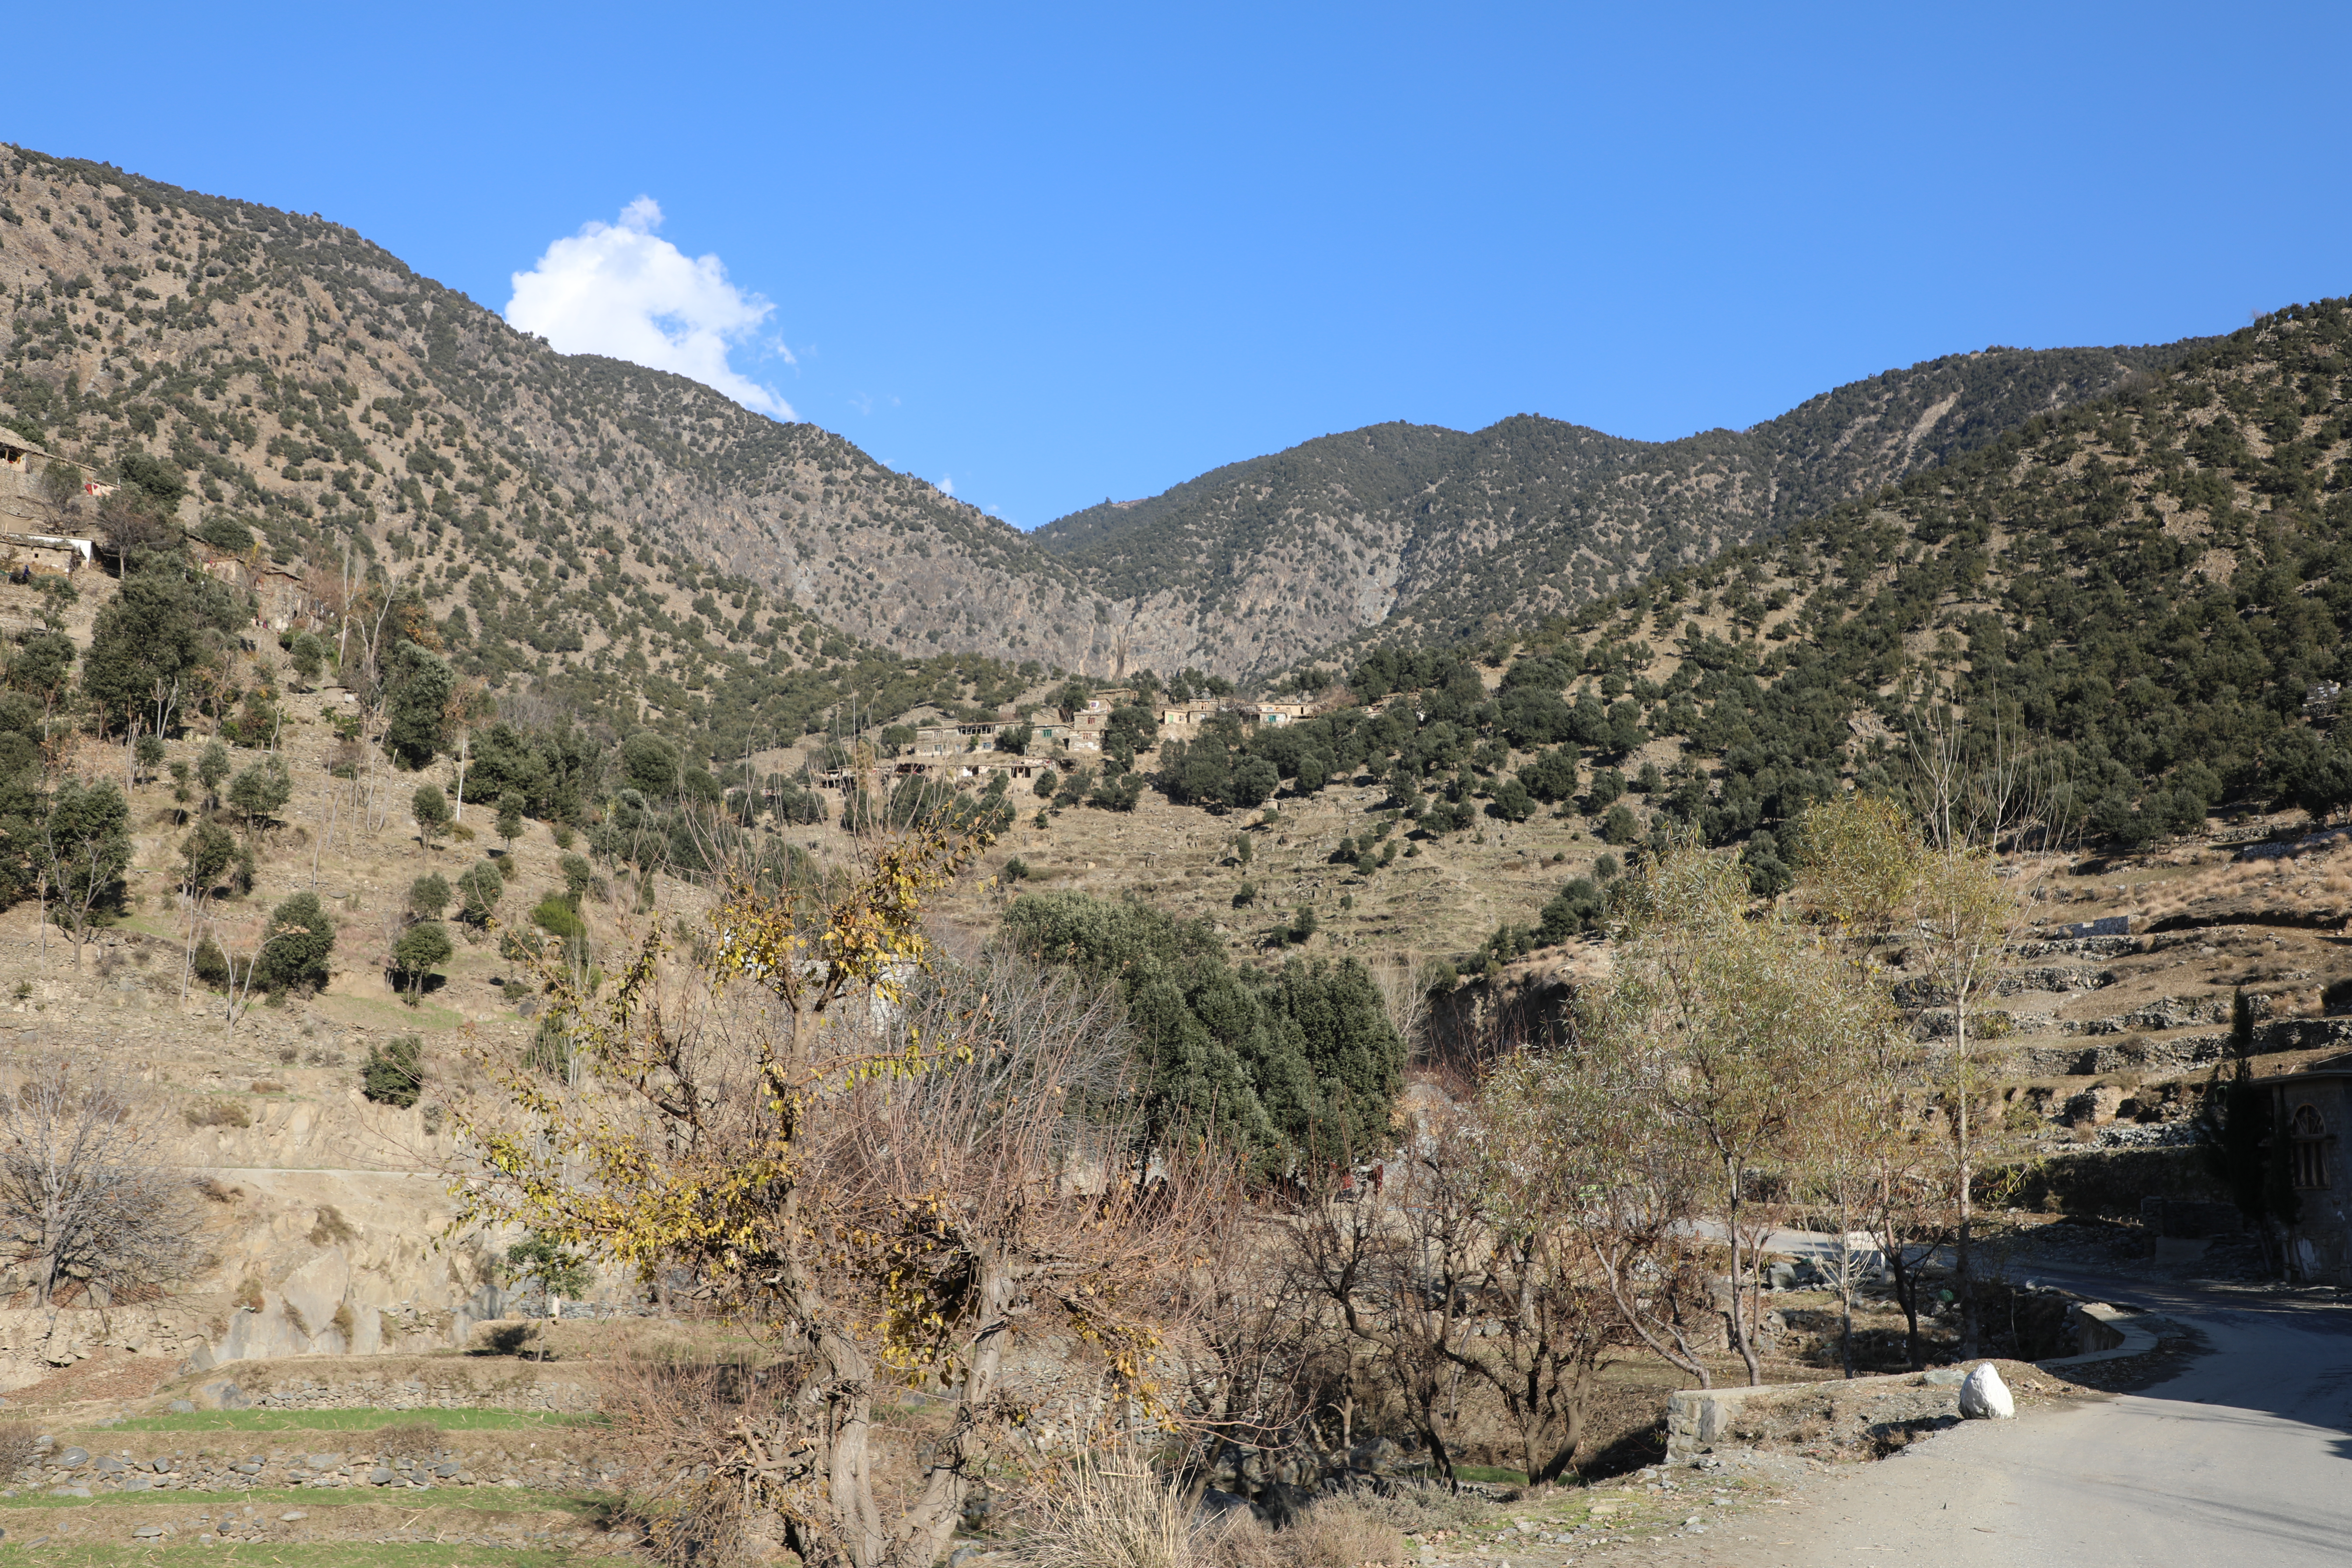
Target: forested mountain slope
2147,597
2152,591
1416,532
630,537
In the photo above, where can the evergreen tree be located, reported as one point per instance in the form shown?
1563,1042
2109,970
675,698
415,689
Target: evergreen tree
417,684
297,944
2236,1140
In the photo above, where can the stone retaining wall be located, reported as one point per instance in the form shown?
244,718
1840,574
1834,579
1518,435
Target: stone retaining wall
1699,1420
460,1387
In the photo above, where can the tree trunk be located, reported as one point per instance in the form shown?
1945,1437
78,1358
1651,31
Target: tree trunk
1740,1338
930,1522
1964,1256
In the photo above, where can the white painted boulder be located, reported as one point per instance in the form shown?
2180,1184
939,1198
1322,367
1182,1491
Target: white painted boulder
1984,1397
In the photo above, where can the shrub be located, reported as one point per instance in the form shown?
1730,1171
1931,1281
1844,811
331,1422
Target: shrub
1120,1513
479,892
395,1073
558,918
210,965
217,1114
549,1050
428,896
580,879
20,1443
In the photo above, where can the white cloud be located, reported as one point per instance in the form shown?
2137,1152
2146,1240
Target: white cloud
620,290
947,484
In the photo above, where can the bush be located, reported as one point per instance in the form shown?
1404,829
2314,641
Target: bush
395,1071
557,918
579,878
1121,1513
217,1114
428,896
479,892
210,965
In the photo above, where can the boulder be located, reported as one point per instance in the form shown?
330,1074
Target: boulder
1985,1397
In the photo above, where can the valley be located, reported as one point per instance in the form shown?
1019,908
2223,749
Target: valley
490,831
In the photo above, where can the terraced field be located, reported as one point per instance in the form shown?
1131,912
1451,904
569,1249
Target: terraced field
344,1486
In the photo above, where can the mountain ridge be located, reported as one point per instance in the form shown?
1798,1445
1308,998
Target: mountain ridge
313,388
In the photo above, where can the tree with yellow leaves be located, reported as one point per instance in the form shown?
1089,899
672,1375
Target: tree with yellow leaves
884,1167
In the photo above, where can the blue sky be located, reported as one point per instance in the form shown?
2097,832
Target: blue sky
1057,254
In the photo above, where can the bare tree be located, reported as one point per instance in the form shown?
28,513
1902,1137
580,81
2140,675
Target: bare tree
1490,1257
884,1177
84,1197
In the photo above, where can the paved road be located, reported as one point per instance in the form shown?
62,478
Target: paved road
2245,1461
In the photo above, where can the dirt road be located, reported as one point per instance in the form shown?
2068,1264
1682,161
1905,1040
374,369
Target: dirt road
2246,1458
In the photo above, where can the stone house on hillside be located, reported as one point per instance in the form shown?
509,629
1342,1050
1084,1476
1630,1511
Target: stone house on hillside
1088,720
22,464
1047,733
2311,1111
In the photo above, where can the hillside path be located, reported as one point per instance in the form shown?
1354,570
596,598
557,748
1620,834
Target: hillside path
2244,1457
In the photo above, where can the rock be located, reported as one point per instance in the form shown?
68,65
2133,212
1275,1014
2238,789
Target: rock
69,1491
110,1466
322,1461
1944,1376
292,1516
447,1471
1985,1397
148,1532
137,1484
2095,1107
381,1476
184,1407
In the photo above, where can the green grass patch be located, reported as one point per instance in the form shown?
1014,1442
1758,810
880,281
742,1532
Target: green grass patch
322,1500
310,1555
362,1419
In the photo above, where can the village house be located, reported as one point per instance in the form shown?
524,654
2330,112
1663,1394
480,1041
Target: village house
2310,1110
27,555
1089,719
21,464
1287,712
1046,735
